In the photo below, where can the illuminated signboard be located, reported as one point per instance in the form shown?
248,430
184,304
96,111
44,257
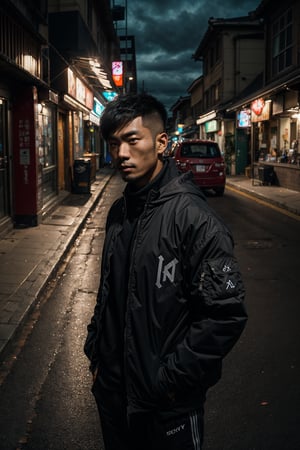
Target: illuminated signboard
98,107
109,95
244,118
117,73
211,126
260,110
71,83
78,90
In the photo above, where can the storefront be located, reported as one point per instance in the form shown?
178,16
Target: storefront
273,122
92,143
276,135
47,151
28,154
208,125
221,128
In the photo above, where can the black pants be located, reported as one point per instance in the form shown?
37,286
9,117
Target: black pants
146,431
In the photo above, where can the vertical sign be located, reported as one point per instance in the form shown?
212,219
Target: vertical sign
117,73
26,202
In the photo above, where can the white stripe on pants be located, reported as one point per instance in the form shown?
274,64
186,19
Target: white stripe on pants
195,430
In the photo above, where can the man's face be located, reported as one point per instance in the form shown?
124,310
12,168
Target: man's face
136,150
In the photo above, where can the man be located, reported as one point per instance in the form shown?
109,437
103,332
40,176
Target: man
170,302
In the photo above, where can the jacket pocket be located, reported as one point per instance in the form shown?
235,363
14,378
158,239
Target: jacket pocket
220,280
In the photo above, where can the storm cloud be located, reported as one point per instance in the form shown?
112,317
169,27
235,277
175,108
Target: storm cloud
167,34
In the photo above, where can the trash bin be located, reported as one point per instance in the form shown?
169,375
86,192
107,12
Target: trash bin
92,157
82,176
266,174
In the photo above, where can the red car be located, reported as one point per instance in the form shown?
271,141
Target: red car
204,159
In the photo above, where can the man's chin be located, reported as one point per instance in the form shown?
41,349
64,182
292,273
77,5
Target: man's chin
127,177
132,179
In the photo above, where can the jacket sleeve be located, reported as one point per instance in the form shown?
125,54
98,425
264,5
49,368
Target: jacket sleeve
215,292
92,332
93,327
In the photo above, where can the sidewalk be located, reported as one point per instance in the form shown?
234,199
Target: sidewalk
30,256
275,195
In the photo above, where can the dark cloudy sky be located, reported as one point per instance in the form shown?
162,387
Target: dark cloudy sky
167,33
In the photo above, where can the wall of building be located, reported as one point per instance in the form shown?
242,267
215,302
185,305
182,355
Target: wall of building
249,61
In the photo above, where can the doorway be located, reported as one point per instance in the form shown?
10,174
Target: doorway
242,150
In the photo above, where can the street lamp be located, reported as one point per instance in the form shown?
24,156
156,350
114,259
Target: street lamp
128,83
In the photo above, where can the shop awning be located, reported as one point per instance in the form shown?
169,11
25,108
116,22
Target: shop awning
270,89
206,117
94,72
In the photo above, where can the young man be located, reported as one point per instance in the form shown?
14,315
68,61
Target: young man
170,302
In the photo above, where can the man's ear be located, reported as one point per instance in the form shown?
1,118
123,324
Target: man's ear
161,142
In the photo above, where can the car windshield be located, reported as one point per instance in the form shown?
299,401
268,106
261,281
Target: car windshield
200,150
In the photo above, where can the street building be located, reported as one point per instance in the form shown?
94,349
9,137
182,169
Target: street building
60,63
247,97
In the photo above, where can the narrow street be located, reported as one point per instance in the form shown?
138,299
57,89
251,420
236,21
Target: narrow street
46,401
256,406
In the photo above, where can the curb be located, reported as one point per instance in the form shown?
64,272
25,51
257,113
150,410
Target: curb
44,278
262,197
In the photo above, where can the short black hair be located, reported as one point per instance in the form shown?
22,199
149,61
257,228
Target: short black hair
126,107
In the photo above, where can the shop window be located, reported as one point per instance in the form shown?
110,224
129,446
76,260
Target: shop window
45,137
47,157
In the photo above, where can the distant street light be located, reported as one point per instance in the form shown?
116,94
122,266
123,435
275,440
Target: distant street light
128,83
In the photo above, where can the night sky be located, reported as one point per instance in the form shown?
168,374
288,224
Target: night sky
167,34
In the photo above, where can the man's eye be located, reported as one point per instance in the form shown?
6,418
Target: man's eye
133,140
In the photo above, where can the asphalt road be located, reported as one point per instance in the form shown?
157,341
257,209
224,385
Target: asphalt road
46,401
256,406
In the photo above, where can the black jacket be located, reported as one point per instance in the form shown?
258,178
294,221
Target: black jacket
185,299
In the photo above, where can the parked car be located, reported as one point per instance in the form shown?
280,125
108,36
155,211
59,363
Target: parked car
204,159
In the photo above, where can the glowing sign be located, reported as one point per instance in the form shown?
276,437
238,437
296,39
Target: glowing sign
117,73
244,118
211,126
257,106
109,95
260,110
97,107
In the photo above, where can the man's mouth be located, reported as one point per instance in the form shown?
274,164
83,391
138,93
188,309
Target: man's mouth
125,167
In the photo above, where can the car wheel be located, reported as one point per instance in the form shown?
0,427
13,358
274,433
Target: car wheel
219,191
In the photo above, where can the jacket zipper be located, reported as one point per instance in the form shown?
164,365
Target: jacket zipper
128,310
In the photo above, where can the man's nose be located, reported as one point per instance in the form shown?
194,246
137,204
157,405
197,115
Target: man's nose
123,150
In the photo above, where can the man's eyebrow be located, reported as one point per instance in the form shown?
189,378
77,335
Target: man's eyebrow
126,135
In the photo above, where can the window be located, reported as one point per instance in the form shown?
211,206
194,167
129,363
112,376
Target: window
218,49
205,65
206,99
217,92
125,43
282,40
212,57
89,14
200,151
